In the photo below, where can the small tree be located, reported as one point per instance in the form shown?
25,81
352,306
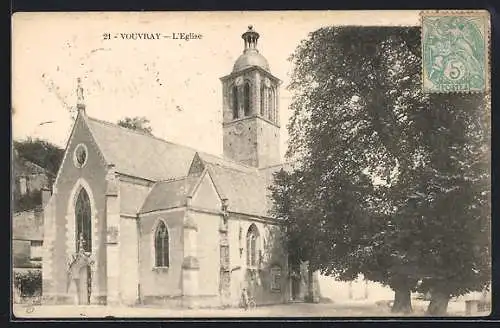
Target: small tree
28,201
137,124
29,283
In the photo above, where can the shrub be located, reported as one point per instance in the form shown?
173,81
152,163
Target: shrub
29,283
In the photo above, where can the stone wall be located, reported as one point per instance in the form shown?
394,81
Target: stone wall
208,252
160,284
129,260
273,256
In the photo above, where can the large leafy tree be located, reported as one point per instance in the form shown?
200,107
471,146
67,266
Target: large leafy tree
456,255
360,130
354,99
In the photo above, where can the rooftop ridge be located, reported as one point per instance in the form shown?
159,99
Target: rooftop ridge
230,161
138,132
255,171
169,142
171,180
151,136
142,133
208,158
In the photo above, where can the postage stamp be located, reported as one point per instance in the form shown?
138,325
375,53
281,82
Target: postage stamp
455,51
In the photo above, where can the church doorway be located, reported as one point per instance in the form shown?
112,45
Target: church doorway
295,288
84,284
296,282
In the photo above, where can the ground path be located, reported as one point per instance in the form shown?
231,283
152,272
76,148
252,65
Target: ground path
347,309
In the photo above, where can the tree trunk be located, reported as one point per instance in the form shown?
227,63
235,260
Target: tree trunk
402,301
310,285
439,303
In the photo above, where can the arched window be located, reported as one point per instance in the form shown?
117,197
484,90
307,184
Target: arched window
266,102
235,102
161,245
253,248
246,99
271,105
262,100
83,221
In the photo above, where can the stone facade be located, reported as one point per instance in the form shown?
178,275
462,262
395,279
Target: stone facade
60,237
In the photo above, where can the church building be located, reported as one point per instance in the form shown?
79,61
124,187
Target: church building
134,219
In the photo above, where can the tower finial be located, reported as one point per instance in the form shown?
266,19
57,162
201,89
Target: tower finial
80,100
250,38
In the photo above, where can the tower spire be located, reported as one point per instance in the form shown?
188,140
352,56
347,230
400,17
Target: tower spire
250,37
80,100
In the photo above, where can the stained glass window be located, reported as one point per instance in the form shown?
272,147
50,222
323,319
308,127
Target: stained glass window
262,100
161,245
83,221
271,106
253,246
80,155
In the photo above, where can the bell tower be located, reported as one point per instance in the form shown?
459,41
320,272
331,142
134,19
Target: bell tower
251,108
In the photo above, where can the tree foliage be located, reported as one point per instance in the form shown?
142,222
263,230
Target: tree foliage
28,201
40,152
382,165
137,124
28,282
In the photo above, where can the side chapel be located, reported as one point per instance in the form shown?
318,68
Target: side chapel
134,219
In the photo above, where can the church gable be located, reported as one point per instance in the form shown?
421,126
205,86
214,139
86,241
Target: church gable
82,154
81,180
197,165
205,194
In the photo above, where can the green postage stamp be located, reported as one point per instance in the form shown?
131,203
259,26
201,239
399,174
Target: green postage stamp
455,49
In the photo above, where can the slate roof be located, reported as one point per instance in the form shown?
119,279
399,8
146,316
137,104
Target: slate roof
132,197
167,164
168,194
246,192
140,155
227,163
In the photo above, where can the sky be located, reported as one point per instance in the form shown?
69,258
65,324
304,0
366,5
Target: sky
174,83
